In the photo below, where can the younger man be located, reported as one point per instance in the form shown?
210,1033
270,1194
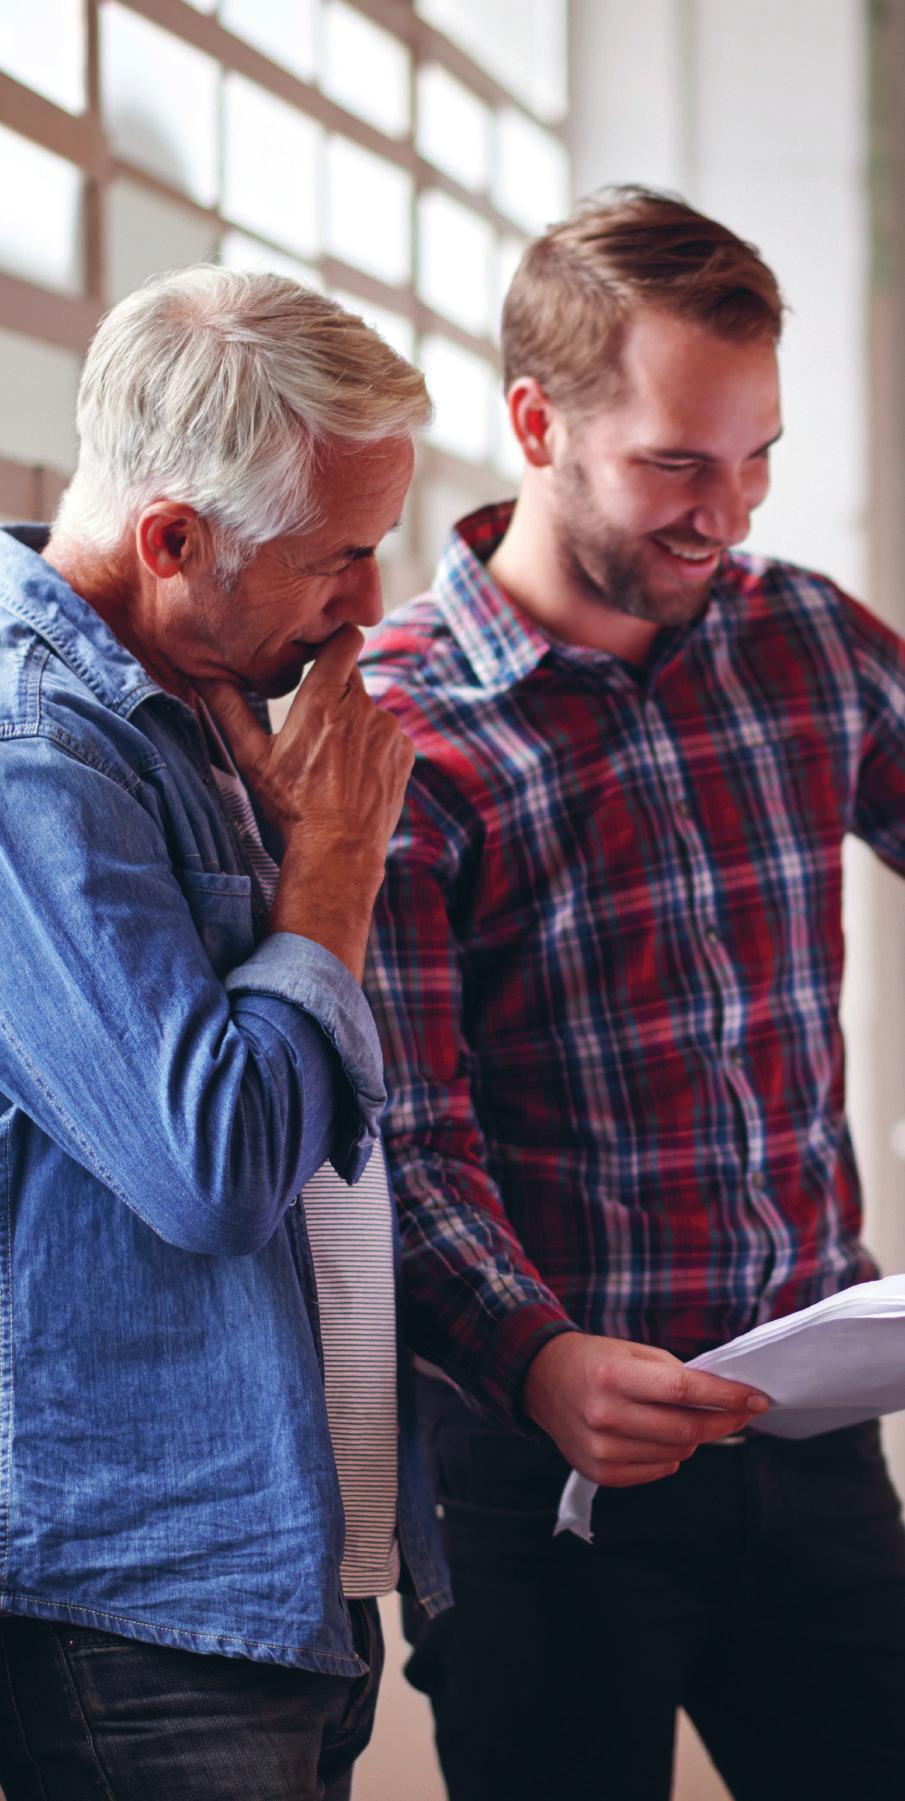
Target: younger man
606,972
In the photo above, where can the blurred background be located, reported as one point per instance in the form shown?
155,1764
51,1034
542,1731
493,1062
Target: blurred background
398,153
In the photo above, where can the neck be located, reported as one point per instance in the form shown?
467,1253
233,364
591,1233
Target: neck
528,565
112,585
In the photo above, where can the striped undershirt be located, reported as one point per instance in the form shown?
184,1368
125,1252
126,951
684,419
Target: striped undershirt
350,1234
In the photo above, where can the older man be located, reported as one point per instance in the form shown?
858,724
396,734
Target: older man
203,1484
607,964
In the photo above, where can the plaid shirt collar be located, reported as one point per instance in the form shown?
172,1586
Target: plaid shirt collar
501,643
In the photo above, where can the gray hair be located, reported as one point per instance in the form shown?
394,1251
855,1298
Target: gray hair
218,389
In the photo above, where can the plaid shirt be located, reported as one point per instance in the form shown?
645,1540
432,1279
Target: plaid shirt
607,960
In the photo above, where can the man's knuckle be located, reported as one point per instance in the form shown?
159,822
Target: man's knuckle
677,1386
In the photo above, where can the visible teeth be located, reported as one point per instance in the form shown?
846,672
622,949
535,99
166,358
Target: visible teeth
688,556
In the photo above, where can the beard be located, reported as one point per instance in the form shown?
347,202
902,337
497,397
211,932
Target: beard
610,567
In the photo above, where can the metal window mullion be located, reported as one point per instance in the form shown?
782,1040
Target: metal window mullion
94,222
430,46
19,489
75,137
65,320
122,170
206,34
437,463
396,16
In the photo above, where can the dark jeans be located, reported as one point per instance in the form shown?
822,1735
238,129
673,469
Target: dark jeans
86,1715
762,1588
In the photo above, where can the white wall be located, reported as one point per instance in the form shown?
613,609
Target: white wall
756,111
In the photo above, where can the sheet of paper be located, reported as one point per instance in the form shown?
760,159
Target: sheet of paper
830,1365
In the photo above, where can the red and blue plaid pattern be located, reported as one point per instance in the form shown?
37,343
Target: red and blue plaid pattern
607,958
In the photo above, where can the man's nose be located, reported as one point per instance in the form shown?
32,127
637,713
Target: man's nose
361,599
723,513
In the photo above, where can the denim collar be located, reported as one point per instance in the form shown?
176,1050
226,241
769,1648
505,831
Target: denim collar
32,590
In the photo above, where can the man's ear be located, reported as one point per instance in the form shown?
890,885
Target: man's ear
534,419
172,540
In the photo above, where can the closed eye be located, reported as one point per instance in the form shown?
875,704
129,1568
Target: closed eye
674,468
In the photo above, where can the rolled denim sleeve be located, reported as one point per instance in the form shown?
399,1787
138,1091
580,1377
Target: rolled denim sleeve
202,1096
293,969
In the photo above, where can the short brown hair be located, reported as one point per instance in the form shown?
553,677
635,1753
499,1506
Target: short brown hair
621,248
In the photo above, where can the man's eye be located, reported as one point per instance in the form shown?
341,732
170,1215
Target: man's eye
674,468
356,556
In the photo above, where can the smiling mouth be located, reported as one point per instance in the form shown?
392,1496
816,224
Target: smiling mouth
684,555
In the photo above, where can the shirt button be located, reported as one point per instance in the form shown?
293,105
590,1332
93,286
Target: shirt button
736,1055
683,809
712,935
757,1178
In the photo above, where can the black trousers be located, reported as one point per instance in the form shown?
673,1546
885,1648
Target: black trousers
86,1716
762,1588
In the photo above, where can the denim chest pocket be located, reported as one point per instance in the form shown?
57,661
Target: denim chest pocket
221,908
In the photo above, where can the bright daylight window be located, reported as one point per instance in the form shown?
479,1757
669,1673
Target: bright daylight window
396,153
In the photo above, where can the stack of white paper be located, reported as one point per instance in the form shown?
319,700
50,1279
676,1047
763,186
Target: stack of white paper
831,1365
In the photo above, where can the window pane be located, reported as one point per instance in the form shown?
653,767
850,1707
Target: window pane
531,181
284,30
39,384
455,261
454,128
462,388
41,215
147,235
147,78
444,501
509,255
507,453
398,332
270,166
42,43
240,252
521,43
368,211
365,69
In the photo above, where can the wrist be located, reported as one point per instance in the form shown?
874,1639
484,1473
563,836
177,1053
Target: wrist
545,1375
330,906
334,860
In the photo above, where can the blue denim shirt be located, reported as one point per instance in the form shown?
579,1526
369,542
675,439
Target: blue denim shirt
169,1078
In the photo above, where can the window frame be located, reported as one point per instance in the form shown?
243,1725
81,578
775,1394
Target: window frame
68,321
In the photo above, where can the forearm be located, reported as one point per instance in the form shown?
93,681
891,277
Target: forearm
201,1100
326,893
475,1304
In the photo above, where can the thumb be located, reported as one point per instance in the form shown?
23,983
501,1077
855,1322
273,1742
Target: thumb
246,738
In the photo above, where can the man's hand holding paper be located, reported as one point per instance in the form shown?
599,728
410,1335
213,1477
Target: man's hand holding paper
625,1413
827,1366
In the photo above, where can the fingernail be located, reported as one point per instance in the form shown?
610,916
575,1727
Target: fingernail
757,1403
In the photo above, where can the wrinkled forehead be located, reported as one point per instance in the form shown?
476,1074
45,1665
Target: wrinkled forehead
360,493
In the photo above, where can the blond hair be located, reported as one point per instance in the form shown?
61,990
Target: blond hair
218,388
623,248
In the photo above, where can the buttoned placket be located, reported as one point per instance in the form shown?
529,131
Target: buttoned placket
702,909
